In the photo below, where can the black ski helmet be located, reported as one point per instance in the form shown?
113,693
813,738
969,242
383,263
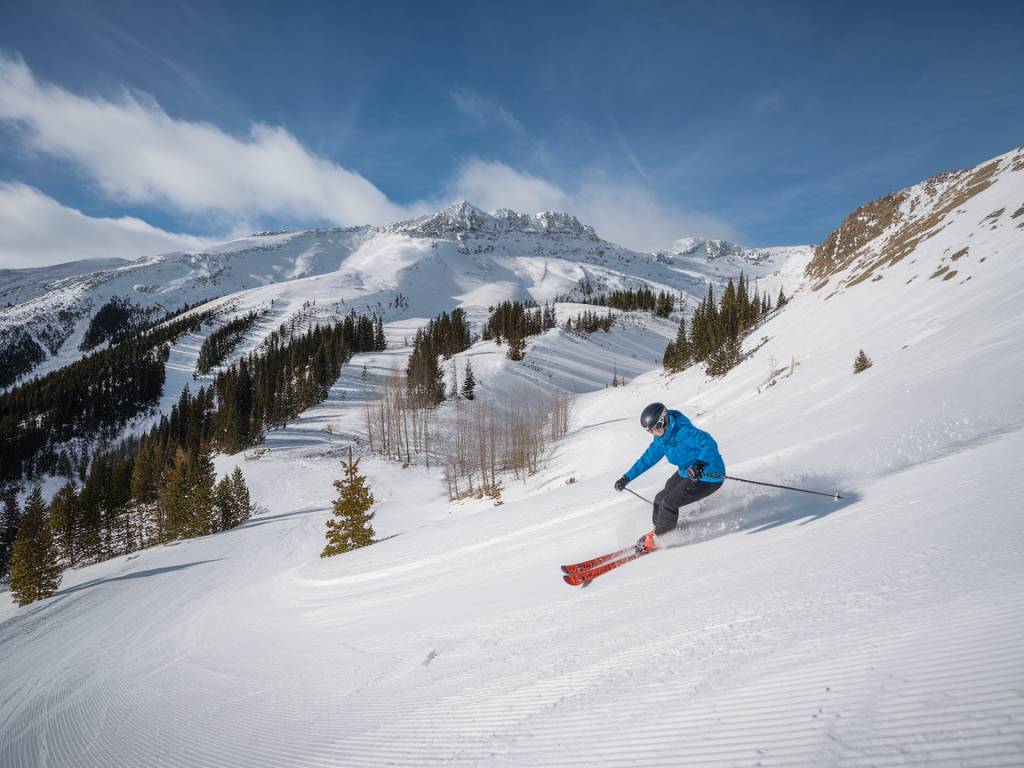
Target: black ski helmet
655,414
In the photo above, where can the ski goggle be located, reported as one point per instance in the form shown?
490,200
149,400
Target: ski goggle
660,423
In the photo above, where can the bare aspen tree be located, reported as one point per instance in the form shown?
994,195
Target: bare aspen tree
369,427
475,441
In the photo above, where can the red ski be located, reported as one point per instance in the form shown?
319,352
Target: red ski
586,565
583,577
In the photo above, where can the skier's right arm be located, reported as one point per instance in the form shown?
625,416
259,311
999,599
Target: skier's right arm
650,457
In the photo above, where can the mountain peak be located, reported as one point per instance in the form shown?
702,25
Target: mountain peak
459,217
462,217
706,250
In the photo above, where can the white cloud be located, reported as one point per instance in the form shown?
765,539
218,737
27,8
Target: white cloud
136,153
492,185
623,212
484,110
36,230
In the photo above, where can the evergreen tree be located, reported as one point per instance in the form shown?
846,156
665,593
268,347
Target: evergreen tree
744,316
516,347
468,383
232,505
10,522
668,358
517,319
240,497
677,353
455,392
862,362
550,317
35,569
145,473
219,344
223,505
64,522
202,479
118,522
724,357
350,528
782,300
89,533
426,378
172,500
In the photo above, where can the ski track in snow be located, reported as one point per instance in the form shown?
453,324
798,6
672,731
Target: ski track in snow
782,647
786,630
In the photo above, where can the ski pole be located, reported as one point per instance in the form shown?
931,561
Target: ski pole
835,496
639,496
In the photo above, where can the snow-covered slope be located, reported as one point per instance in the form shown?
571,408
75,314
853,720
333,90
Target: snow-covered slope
976,213
20,285
460,256
773,267
786,630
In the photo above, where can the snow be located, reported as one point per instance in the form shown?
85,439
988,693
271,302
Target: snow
775,629
460,256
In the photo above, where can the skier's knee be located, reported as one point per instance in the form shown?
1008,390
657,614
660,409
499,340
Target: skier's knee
665,520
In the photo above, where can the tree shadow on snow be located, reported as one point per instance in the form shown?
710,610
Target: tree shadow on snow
267,519
45,614
134,575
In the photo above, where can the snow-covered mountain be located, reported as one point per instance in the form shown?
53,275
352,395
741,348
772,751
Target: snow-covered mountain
975,214
785,630
460,256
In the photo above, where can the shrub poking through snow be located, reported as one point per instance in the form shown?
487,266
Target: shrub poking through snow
862,362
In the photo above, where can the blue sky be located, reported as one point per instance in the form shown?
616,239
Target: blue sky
136,126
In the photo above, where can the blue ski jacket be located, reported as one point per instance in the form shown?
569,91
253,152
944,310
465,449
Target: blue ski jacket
682,444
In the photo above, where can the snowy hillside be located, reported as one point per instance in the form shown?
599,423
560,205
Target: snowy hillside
775,628
460,256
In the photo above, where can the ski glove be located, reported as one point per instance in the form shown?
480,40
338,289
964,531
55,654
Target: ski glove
696,470
621,483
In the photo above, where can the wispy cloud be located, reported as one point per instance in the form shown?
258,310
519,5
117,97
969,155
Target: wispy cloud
136,153
627,150
133,152
485,111
36,230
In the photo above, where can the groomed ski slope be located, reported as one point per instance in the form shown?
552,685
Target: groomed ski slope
788,630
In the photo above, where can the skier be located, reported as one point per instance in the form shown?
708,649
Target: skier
693,451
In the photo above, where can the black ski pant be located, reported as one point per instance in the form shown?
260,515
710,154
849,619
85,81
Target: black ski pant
678,492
